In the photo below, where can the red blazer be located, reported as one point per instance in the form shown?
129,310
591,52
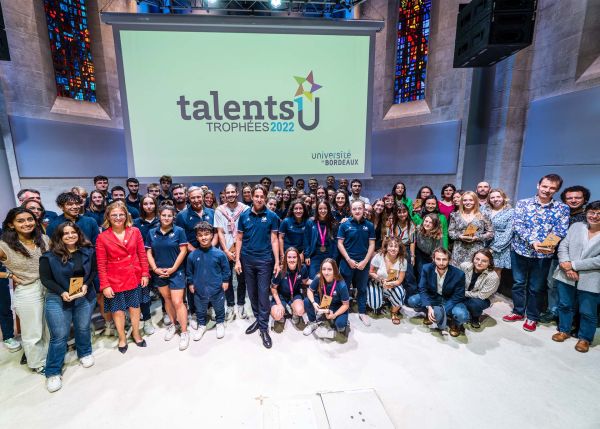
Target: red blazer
121,265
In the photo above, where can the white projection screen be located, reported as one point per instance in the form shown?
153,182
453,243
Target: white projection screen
230,97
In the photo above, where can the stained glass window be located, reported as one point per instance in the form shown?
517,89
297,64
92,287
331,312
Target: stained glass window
70,45
411,50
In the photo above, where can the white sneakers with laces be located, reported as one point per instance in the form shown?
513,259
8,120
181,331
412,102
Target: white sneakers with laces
197,334
310,328
184,341
171,331
220,330
53,383
87,361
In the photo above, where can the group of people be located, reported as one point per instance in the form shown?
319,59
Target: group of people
299,254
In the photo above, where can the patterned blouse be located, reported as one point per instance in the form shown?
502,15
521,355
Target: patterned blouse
463,251
534,221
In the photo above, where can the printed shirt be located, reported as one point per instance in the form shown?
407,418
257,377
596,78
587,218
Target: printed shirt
533,222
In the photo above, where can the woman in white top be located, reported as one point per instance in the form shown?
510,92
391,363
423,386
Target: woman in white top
387,272
21,245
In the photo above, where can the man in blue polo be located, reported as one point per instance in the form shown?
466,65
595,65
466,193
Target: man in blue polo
70,203
257,256
187,219
117,193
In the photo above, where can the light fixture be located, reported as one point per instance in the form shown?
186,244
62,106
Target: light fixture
275,3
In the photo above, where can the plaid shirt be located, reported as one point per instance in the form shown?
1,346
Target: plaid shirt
533,221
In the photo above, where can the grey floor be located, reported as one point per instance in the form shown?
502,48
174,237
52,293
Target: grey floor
498,377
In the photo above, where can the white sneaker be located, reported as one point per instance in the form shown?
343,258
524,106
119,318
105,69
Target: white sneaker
310,328
365,319
166,319
148,327
241,312
325,332
184,341
295,319
87,361
12,345
171,331
229,314
53,383
193,324
109,330
220,330
197,334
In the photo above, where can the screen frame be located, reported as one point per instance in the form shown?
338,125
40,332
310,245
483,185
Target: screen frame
239,24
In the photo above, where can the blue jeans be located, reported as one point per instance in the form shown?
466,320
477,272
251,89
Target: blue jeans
7,322
257,274
359,279
241,288
476,306
459,312
201,303
552,288
59,319
529,276
588,302
340,322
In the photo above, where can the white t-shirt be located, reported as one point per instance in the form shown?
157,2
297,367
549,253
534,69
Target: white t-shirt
379,263
222,222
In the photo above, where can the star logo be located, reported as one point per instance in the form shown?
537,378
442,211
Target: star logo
302,91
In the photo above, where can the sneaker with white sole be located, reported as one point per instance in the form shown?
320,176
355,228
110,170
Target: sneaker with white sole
53,383
197,334
148,327
365,319
325,332
87,361
12,345
241,312
229,314
184,341
166,320
171,331
193,324
295,319
220,330
310,328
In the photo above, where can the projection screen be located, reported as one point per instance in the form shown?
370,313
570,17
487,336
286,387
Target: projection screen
215,97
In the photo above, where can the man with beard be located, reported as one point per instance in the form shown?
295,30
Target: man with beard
226,222
179,197
133,199
483,190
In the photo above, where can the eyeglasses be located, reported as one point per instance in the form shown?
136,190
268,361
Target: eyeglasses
117,216
35,209
593,214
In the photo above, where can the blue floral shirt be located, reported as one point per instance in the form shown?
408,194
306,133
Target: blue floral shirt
533,221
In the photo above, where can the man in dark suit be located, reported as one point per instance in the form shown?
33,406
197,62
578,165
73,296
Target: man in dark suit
441,293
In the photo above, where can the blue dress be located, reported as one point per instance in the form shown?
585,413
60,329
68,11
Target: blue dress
503,233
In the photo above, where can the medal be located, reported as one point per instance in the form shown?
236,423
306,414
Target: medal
322,236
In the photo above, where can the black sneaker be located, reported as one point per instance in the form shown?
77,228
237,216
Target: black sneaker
475,323
547,317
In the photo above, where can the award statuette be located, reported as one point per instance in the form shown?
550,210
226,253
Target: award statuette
551,241
76,287
417,203
471,230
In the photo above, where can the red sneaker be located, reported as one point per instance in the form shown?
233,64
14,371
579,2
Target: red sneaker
513,317
530,325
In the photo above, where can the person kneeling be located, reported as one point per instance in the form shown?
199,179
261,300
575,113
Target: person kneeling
441,292
207,276
327,296
481,281
286,288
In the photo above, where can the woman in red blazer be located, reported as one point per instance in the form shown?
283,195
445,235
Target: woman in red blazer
122,268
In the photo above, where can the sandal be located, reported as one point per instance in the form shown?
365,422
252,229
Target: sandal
395,318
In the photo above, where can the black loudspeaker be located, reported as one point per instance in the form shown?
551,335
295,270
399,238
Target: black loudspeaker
487,31
4,52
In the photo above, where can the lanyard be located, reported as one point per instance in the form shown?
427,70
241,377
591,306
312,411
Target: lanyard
292,284
332,289
322,234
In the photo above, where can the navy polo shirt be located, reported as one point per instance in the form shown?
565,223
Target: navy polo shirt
49,216
97,216
281,282
165,247
188,219
294,234
340,294
88,226
313,240
257,228
135,204
144,226
356,237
